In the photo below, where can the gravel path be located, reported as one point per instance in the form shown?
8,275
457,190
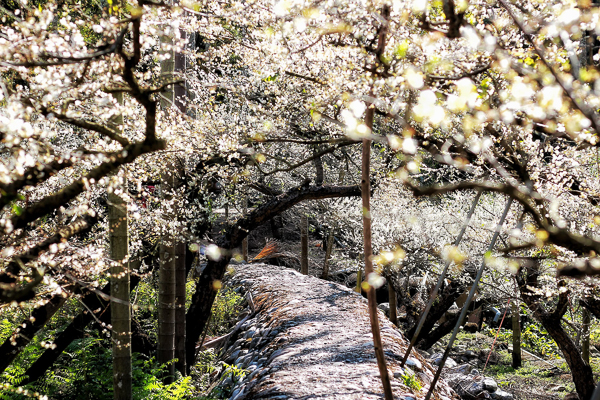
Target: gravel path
311,339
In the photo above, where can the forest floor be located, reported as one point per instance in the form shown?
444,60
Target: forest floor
539,378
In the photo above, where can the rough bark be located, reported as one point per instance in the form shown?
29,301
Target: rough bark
366,211
441,305
119,292
167,281
319,172
393,306
516,336
583,378
325,274
440,331
205,292
180,292
585,336
592,303
304,244
245,241
15,343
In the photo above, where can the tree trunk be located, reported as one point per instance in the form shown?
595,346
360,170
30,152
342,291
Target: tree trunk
585,336
245,241
516,333
368,251
440,331
180,292
167,280
304,245
441,305
325,274
209,281
393,305
581,372
15,343
319,173
119,292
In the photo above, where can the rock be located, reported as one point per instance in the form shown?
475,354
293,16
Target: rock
463,369
399,373
251,332
251,367
470,354
235,393
436,358
414,363
474,388
490,385
227,382
493,358
254,373
450,363
571,396
558,388
385,307
425,353
501,395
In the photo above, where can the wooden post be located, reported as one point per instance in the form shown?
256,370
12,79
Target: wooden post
585,336
304,244
393,305
245,241
516,328
325,274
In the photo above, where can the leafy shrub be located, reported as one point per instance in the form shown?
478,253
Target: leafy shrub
225,310
411,381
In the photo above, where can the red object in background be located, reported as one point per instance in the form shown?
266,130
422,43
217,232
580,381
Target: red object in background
143,201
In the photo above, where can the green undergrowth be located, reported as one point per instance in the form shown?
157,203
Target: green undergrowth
534,380
84,370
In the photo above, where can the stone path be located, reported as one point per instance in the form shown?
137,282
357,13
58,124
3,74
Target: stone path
311,339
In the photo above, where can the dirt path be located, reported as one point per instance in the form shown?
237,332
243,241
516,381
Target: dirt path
311,339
